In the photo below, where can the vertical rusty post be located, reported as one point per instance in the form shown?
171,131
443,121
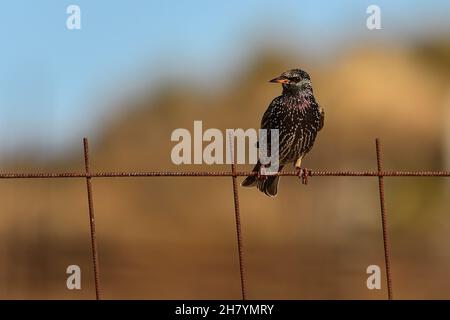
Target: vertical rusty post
237,215
92,219
238,231
386,242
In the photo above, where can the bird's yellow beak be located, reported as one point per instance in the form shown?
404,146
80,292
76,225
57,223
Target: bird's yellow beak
279,80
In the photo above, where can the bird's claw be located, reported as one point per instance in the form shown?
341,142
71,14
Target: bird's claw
303,174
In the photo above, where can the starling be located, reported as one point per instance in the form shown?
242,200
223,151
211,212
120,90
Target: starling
298,117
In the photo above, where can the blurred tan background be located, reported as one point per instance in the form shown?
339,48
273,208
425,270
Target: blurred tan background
174,238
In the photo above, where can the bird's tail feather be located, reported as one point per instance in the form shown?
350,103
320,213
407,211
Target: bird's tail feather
268,185
251,181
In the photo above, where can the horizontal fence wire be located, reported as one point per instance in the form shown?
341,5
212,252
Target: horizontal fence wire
124,174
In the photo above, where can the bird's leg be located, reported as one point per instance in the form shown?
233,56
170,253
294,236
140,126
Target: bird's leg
301,173
298,167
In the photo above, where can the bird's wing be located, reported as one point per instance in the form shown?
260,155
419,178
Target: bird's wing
267,121
267,118
274,118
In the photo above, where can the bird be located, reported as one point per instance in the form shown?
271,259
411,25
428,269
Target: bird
298,117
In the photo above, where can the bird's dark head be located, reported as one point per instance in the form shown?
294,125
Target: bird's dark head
294,81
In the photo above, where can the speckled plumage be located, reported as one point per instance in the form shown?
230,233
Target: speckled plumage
298,117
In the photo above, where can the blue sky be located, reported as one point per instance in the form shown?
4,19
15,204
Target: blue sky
56,83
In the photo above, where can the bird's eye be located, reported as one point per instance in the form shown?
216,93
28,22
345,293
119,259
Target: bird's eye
296,79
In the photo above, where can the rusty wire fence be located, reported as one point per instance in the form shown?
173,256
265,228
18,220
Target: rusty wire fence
305,174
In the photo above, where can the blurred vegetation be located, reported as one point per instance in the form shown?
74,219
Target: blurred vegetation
175,237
